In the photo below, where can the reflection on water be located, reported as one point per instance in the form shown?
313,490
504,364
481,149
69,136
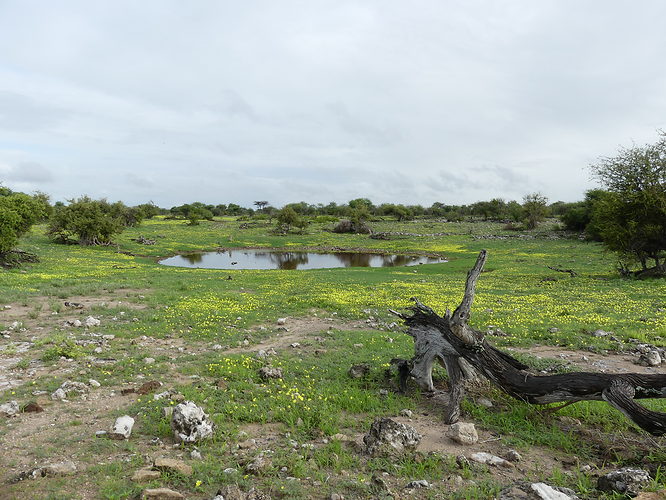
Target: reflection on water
265,259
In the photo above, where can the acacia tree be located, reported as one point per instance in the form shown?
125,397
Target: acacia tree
535,207
631,218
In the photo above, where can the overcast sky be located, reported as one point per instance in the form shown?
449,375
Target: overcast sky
319,101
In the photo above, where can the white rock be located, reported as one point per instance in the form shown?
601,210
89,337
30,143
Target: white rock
77,323
463,433
94,383
189,423
281,321
59,394
9,408
122,428
90,321
546,492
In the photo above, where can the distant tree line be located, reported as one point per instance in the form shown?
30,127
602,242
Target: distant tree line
627,215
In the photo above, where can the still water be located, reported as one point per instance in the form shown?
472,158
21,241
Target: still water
266,259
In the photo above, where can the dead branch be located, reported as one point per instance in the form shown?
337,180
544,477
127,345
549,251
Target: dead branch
451,340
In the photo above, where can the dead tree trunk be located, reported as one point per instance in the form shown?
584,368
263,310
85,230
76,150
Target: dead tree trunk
451,340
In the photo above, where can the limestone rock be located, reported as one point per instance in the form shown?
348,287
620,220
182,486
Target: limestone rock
546,492
388,436
359,371
170,464
90,322
463,433
66,468
268,372
9,408
260,464
160,494
628,480
145,476
189,423
122,428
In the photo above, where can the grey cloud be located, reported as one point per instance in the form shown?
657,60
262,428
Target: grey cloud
30,172
139,181
20,112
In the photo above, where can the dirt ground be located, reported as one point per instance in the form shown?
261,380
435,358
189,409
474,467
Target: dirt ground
66,430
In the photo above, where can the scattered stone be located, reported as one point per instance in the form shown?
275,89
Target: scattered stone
462,462
260,464
268,372
546,492
359,371
388,436
628,481
10,408
512,456
160,494
487,458
653,358
420,483
484,402
100,434
122,428
406,413
378,484
336,496
127,390
247,444
189,423
172,465
463,433
58,394
196,455
281,321
66,468
94,383
148,361
90,322
145,476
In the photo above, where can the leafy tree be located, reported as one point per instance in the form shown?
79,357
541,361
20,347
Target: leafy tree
18,213
578,216
88,221
535,207
288,217
631,218
400,211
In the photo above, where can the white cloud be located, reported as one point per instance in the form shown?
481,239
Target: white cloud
324,101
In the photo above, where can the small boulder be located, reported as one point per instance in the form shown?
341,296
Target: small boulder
160,494
628,481
269,373
90,322
122,428
66,468
388,436
189,423
10,408
463,433
171,465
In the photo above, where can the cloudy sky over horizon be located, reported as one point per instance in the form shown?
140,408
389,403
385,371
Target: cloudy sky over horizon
320,101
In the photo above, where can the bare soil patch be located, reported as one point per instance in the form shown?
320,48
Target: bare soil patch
66,430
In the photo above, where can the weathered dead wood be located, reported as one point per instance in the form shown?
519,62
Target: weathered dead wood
451,340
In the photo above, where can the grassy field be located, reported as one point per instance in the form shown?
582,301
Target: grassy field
211,323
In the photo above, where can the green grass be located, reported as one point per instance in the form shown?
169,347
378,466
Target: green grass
316,397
